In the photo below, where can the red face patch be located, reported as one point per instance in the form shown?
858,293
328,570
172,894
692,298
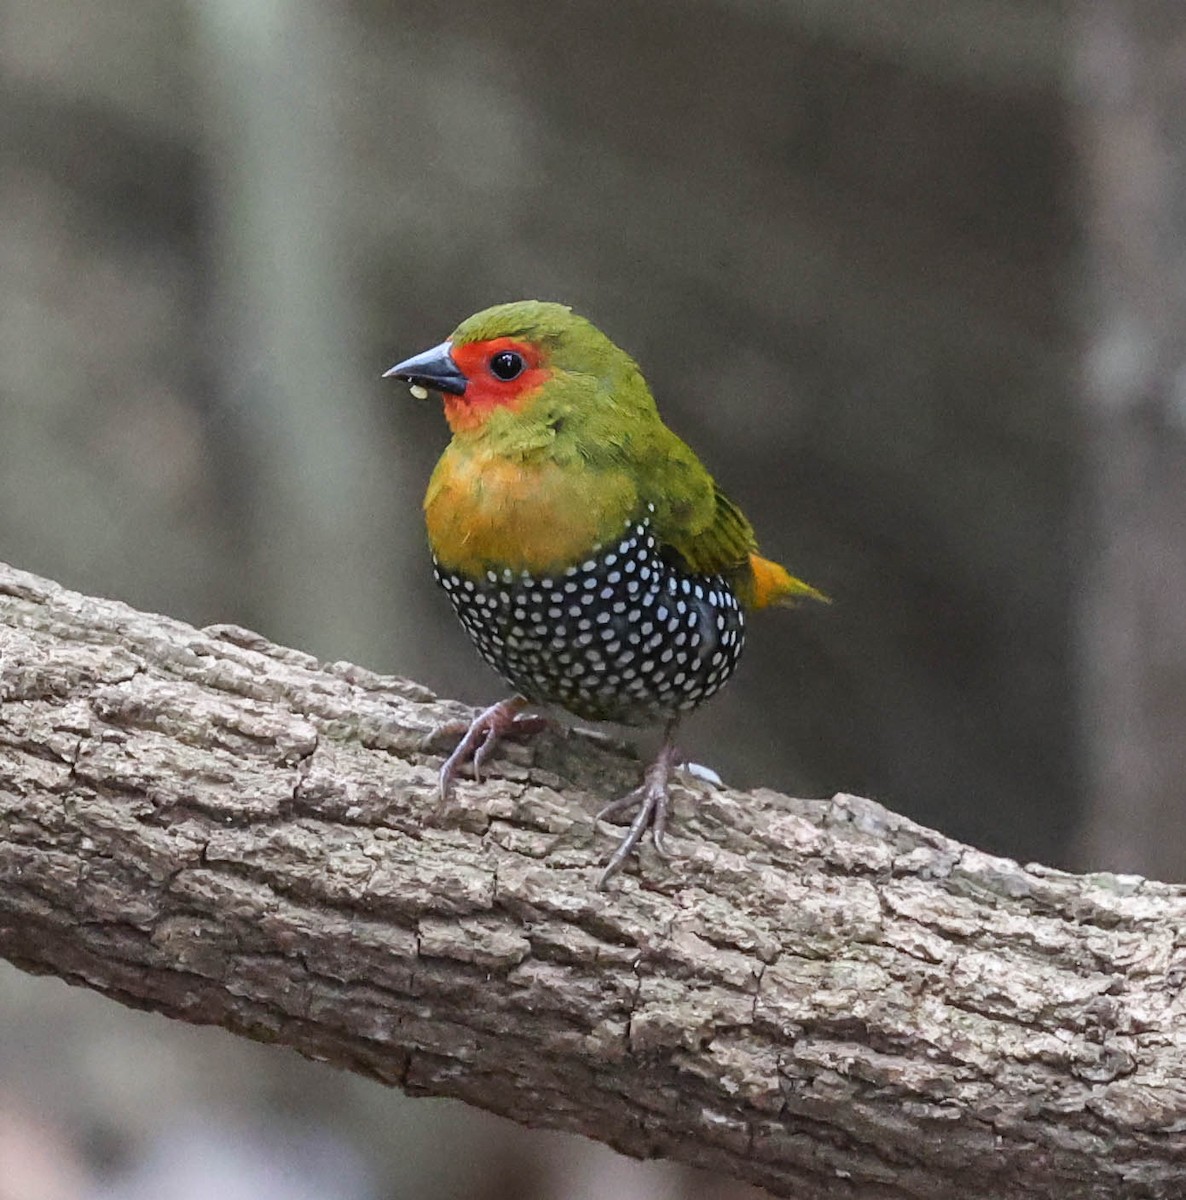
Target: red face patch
499,373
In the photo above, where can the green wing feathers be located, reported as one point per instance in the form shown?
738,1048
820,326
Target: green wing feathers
698,524
711,535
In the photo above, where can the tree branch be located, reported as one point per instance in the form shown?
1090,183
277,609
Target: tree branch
818,996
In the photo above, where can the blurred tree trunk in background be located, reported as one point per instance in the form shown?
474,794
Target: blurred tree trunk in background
1131,77
317,518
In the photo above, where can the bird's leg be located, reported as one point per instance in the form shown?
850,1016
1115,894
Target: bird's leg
482,735
652,800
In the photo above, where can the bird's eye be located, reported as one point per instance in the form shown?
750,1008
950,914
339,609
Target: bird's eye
506,365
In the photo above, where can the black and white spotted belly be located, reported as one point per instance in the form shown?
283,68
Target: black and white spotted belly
622,636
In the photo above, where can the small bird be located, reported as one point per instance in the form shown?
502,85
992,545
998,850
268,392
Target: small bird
589,555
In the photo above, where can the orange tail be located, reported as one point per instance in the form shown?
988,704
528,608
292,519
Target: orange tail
772,584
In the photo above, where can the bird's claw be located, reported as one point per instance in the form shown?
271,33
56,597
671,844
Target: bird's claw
653,802
480,738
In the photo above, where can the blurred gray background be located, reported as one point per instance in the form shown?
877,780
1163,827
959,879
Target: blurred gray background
908,275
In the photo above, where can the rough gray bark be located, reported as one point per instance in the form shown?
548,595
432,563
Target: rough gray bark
819,997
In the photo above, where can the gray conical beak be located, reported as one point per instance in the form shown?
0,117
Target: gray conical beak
433,368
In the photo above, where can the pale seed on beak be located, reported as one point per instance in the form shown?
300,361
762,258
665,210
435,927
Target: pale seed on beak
421,393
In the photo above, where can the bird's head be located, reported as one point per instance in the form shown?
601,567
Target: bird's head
525,365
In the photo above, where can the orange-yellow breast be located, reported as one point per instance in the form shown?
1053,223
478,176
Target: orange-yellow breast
486,512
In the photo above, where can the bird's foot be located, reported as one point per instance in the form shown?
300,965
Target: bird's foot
653,802
481,737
